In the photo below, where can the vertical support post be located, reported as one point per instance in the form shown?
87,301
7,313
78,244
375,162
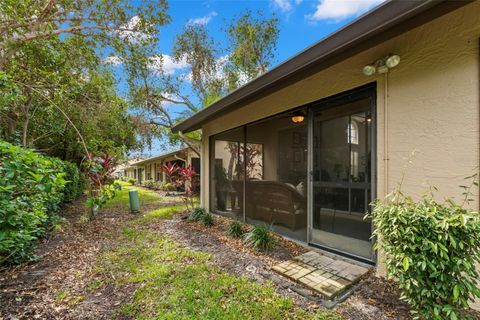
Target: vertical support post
310,150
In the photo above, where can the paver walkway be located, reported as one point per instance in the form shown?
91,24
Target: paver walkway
321,273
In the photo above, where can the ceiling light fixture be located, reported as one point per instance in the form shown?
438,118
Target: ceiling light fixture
298,117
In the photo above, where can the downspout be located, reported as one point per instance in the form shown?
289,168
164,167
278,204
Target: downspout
385,136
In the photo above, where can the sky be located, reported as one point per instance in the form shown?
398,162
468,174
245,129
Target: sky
302,23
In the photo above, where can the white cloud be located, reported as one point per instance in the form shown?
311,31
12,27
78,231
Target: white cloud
113,60
132,34
167,64
341,9
202,20
283,5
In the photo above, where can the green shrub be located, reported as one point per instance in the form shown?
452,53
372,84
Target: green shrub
208,220
32,188
235,229
431,249
132,181
260,238
167,186
75,182
197,214
150,184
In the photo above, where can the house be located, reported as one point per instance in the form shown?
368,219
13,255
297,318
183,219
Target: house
392,96
151,168
124,169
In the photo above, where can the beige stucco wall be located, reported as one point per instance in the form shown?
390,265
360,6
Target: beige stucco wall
432,103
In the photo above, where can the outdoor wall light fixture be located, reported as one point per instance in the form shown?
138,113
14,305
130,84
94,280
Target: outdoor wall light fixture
298,117
382,65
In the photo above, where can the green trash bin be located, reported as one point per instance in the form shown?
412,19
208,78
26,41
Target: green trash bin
134,203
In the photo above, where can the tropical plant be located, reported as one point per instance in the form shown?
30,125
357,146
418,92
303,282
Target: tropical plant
170,169
260,238
431,249
105,193
187,178
101,182
235,229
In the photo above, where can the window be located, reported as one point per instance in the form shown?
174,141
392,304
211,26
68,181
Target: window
352,133
227,167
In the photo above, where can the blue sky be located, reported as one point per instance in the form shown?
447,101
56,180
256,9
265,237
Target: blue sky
302,23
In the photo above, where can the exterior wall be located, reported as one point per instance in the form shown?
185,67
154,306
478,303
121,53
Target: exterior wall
427,106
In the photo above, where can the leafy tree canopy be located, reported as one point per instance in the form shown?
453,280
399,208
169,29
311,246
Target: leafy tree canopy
57,93
214,72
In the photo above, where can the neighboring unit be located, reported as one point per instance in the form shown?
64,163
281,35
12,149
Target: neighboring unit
151,168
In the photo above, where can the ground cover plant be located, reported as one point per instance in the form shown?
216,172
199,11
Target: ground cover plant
235,229
260,237
431,249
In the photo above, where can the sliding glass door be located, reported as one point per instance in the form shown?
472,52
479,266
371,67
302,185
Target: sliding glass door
341,180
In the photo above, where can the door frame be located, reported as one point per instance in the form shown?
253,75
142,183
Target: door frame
367,91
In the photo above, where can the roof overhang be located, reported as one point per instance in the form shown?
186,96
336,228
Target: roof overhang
160,157
384,22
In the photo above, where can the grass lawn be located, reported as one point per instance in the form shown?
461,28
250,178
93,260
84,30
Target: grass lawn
172,282
146,197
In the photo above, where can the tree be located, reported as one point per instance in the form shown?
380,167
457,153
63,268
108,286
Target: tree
252,47
213,72
57,82
58,96
107,23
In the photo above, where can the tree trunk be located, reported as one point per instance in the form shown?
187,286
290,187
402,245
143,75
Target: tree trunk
24,131
26,110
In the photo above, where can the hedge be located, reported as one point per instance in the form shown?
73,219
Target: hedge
32,189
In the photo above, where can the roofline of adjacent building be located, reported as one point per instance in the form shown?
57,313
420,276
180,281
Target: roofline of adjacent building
382,23
159,157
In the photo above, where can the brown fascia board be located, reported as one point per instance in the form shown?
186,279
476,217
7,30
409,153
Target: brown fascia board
159,157
388,20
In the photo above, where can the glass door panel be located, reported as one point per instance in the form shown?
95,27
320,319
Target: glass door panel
341,177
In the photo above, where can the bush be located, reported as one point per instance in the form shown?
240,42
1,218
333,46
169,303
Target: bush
132,181
167,186
32,188
431,250
75,182
208,220
260,238
150,184
235,229
197,214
